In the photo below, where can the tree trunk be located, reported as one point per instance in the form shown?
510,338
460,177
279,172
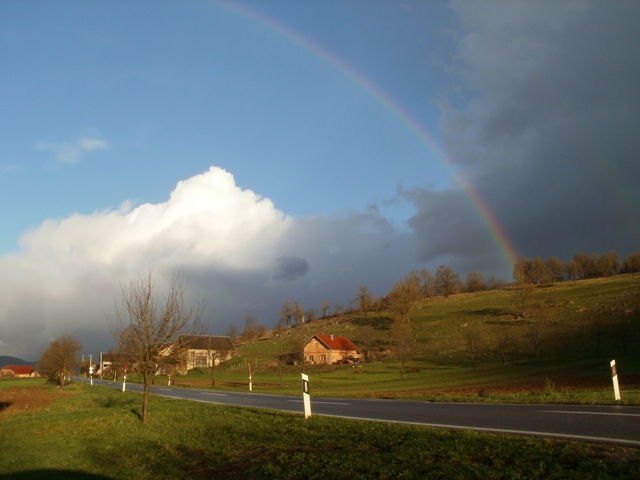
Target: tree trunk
145,400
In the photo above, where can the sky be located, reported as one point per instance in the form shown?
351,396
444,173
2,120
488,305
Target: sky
265,150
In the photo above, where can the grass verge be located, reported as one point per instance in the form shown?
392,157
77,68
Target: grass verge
96,431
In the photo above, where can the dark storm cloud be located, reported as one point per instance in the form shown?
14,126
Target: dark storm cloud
290,268
547,130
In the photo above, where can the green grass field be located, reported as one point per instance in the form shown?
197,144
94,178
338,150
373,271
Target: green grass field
95,432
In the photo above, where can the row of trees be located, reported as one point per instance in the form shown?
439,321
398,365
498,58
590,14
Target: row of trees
537,271
421,284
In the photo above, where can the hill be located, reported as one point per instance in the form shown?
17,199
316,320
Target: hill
559,336
7,360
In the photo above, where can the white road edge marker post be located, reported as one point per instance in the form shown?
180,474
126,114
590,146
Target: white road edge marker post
306,398
124,379
614,377
250,381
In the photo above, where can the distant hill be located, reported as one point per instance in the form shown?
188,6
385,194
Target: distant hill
6,360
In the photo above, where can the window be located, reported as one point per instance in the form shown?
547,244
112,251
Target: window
201,361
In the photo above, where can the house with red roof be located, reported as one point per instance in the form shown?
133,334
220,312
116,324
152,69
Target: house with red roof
329,349
18,371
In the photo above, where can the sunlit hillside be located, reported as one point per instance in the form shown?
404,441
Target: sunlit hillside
566,336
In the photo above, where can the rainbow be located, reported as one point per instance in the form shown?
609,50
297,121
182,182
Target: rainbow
500,238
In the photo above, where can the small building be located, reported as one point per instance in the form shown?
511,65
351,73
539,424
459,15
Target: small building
204,351
18,371
329,349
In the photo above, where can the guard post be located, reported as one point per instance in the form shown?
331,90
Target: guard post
614,377
124,378
306,398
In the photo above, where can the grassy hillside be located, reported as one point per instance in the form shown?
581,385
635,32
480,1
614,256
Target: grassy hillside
564,341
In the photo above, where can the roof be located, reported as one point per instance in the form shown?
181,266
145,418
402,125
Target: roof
207,342
336,342
19,369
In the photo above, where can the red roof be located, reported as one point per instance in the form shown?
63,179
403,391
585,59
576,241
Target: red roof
336,342
19,369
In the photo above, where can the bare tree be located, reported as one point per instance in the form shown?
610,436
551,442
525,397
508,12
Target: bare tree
298,314
287,313
215,354
522,293
403,345
297,346
632,263
310,315
447,280
59,359
538,271
147,326
364,299
504,341
403,297
555,267
326,305
232,332
473,341
608,264
542,313
521,270
574,270
475,282
250,328
427,282
587,264
367,341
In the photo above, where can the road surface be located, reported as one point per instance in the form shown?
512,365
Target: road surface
608,424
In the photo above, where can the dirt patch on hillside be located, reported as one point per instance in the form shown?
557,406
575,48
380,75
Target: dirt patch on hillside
22,399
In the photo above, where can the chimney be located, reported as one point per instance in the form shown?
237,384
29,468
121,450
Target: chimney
331,337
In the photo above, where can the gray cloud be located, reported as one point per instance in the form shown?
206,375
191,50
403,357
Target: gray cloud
545,130
290,268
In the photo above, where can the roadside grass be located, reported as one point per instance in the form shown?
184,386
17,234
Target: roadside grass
513,384
96,430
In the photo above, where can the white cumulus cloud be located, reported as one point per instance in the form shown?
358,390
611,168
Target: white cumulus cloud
234,248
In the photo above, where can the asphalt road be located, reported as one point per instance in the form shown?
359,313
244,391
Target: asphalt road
608,424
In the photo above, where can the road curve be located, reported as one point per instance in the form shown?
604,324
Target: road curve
607,424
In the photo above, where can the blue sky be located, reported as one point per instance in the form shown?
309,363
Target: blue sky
297,149
175,87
